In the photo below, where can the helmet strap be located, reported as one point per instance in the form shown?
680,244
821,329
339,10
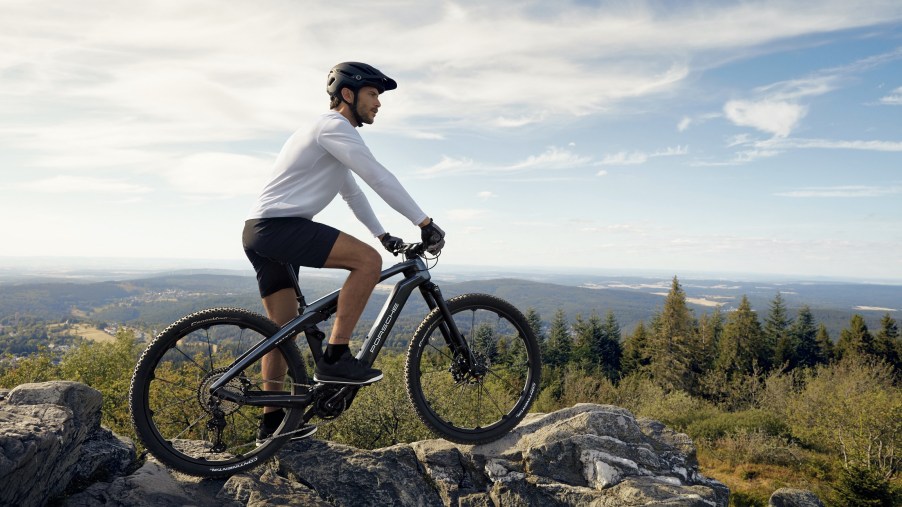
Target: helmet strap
353,105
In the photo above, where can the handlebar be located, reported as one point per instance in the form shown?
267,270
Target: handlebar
411,250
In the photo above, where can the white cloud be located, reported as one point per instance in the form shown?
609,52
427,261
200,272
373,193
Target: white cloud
844,191
486,195
81,184
448,165
219,174
772,116
684,124
552,158
671,151
638,157
624,158
830,144
894,98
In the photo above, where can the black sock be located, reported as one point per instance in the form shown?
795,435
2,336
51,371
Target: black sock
274,418
333,352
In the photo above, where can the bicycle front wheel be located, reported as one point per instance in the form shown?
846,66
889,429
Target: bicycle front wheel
481,402
173,412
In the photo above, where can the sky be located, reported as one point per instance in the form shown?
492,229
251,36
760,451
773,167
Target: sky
758,137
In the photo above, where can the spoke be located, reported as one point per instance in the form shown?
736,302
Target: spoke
174,403
209,348
190,359
440,350
501,379
491,398
190,425
175,385
478,403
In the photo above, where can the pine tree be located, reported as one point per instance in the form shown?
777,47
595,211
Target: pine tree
608,351
560,343
807,352
485,342
673,342
825,345
586,333
855,340
887,342
710,329
741,343
777,338
636,355
535,323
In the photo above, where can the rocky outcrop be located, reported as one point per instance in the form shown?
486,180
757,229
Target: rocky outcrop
51,441
51,444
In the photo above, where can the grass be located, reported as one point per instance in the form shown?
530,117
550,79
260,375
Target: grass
753,483
90,332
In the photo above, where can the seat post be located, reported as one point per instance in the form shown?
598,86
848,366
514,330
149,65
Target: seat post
302,302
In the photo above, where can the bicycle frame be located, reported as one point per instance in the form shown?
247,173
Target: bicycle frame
416,275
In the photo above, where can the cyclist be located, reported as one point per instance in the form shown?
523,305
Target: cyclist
314,166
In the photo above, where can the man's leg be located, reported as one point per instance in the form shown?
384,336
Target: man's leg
281,306
365,266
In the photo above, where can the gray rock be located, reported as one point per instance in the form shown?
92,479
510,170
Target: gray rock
789,497
345,476
584,455
51,441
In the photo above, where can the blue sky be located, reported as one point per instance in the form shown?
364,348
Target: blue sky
678,137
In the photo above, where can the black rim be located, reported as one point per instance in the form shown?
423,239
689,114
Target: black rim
182,418
491,394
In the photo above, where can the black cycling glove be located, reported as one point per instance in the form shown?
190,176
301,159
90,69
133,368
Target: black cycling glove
391,243
433,237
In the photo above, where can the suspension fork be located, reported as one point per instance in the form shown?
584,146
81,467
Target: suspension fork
455,340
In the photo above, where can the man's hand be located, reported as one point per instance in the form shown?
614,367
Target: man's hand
434,237
391,243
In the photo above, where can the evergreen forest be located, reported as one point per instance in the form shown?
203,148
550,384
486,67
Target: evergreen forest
770,398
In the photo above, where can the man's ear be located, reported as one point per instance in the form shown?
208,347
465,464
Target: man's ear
348,95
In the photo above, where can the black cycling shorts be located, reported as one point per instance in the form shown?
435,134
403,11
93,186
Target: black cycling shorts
273,243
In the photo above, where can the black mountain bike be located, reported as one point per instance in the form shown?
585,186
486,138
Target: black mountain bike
472,372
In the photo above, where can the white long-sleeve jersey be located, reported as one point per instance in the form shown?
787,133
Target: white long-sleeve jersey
317,164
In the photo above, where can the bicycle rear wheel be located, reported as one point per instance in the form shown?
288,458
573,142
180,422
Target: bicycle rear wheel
173,412
482,402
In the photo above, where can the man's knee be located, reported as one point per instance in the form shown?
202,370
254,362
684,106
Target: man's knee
371,261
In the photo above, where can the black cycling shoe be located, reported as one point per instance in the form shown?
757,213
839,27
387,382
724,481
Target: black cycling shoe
347,370
265,432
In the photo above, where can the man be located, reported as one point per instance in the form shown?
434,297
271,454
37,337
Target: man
314,166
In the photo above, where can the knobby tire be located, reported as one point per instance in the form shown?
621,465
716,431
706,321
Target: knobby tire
170,405
481,404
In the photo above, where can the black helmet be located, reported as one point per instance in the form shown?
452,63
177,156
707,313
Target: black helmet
355,75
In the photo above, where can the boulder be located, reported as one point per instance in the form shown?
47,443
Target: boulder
51,440
789,497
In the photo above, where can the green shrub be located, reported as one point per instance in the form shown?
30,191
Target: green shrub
743,499
676,409
35,368
757,447
861,486
728,423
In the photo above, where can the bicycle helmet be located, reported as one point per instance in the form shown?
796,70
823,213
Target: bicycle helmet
355,75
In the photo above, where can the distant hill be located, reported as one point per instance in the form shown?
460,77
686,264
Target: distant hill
157,300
